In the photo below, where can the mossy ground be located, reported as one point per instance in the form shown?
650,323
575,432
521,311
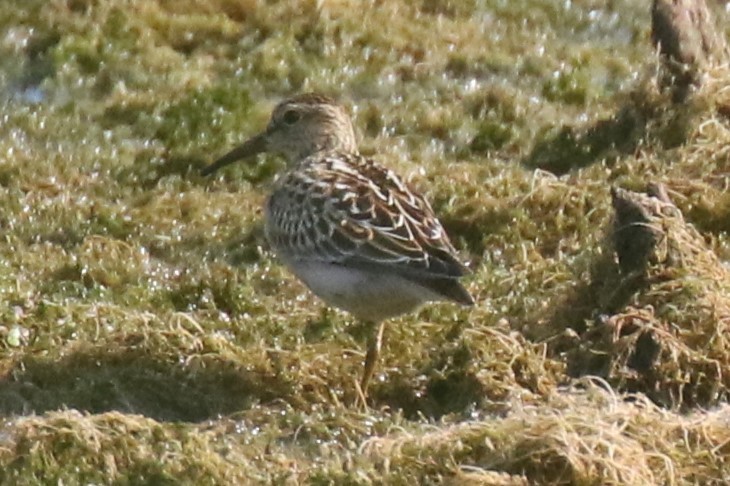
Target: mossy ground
148,336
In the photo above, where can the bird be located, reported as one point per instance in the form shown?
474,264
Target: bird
357,235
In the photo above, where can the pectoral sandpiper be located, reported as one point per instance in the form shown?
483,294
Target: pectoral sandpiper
347,227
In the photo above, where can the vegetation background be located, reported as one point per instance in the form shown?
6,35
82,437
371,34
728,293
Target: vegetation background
148,336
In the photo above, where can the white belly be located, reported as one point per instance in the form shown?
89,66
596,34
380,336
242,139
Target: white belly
368,295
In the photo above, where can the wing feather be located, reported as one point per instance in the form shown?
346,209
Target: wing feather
347,209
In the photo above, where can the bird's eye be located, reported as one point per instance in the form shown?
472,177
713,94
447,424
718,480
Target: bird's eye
291,117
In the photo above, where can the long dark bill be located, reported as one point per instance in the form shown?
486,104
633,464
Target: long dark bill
251,147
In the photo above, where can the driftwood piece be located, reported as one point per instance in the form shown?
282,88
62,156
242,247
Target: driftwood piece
640,227
662,325
689,42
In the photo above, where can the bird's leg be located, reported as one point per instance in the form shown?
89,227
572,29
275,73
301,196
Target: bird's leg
375,341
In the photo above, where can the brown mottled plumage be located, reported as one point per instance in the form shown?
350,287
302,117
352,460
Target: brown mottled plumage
349,228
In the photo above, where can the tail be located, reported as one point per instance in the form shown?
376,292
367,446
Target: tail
449,288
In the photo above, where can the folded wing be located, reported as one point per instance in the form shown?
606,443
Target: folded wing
346,209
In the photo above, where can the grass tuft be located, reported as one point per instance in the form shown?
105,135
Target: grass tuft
149,336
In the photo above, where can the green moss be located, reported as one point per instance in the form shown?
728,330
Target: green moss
569,87
195,119
491,136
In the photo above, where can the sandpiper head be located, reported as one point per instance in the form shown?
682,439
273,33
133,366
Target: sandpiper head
300,126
